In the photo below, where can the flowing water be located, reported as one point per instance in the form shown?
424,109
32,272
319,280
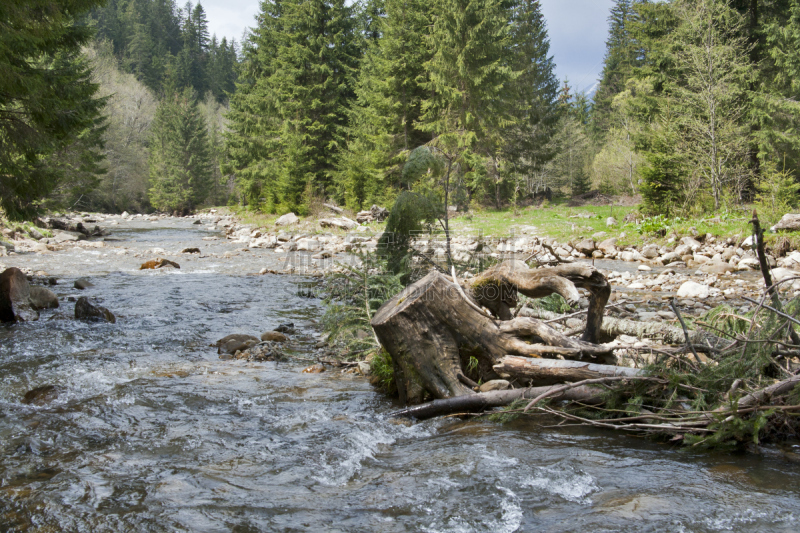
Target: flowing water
151,431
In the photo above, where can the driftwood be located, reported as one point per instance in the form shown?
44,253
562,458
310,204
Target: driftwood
435,329
478,403
550,371
613,327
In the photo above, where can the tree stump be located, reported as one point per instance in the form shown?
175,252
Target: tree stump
436,336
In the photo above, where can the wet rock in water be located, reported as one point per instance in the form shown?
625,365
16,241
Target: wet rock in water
274,336
288,219
7,245
83,283
190,251
314,369
717,267
586,246
237,342
15,294
69,236
41,395
86,310
198,221
495,384
691,289
42,298
364,368
286,327
159,262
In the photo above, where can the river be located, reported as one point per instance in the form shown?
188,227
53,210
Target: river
151,431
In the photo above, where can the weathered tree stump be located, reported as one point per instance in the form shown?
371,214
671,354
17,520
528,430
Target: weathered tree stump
433,332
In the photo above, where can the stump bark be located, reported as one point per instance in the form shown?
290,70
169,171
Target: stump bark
441,341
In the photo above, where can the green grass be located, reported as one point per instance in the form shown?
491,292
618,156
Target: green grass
555,219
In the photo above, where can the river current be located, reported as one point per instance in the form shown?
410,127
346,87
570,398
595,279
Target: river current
151,431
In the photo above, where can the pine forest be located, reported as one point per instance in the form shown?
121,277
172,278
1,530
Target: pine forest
133,105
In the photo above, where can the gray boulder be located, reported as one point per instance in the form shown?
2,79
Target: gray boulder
15,295
232,343
289,219
42,298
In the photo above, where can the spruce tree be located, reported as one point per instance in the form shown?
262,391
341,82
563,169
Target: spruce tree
48,102
180,172
622,57
534,93
384,118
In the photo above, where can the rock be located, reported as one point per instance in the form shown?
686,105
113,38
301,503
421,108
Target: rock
364,368
83,283
644,268
611,221
637,285
379,213
286,327
309,245
41,395
42,298
780,274
691,289
717,267
650,251
748,263
7,245
198,221
159,262
789,222
364,217
190,251
586,246
693,244
15,293
341,223
274,336
608,246
69,236
495,384
232,343
289,219
314,369
747,244
86,310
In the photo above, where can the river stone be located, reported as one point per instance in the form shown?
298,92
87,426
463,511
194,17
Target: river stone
15,293
691,289
340,222
611,221
314,369
608,246
159,262
789,221
780,274
289,219
190,251
495,384
748,263
7,245
41,395
42,298
69,236
274,336
286,327
717,267
650,251
83,283
232,343
692,243
364,368
586,246
86,310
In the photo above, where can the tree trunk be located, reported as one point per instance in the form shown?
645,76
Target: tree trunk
433,332
540,372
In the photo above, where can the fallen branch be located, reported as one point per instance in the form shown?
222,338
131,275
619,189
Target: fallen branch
564,388
550,371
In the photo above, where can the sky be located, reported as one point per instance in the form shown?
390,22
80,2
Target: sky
577,30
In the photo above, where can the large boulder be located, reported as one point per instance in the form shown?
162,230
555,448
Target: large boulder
15,294
7,245
42,298
608,246
289,219
789,222
86,310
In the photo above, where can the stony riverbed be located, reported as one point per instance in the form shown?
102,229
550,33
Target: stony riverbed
150,430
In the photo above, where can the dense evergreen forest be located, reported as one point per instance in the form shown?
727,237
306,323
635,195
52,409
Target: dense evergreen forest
131,104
